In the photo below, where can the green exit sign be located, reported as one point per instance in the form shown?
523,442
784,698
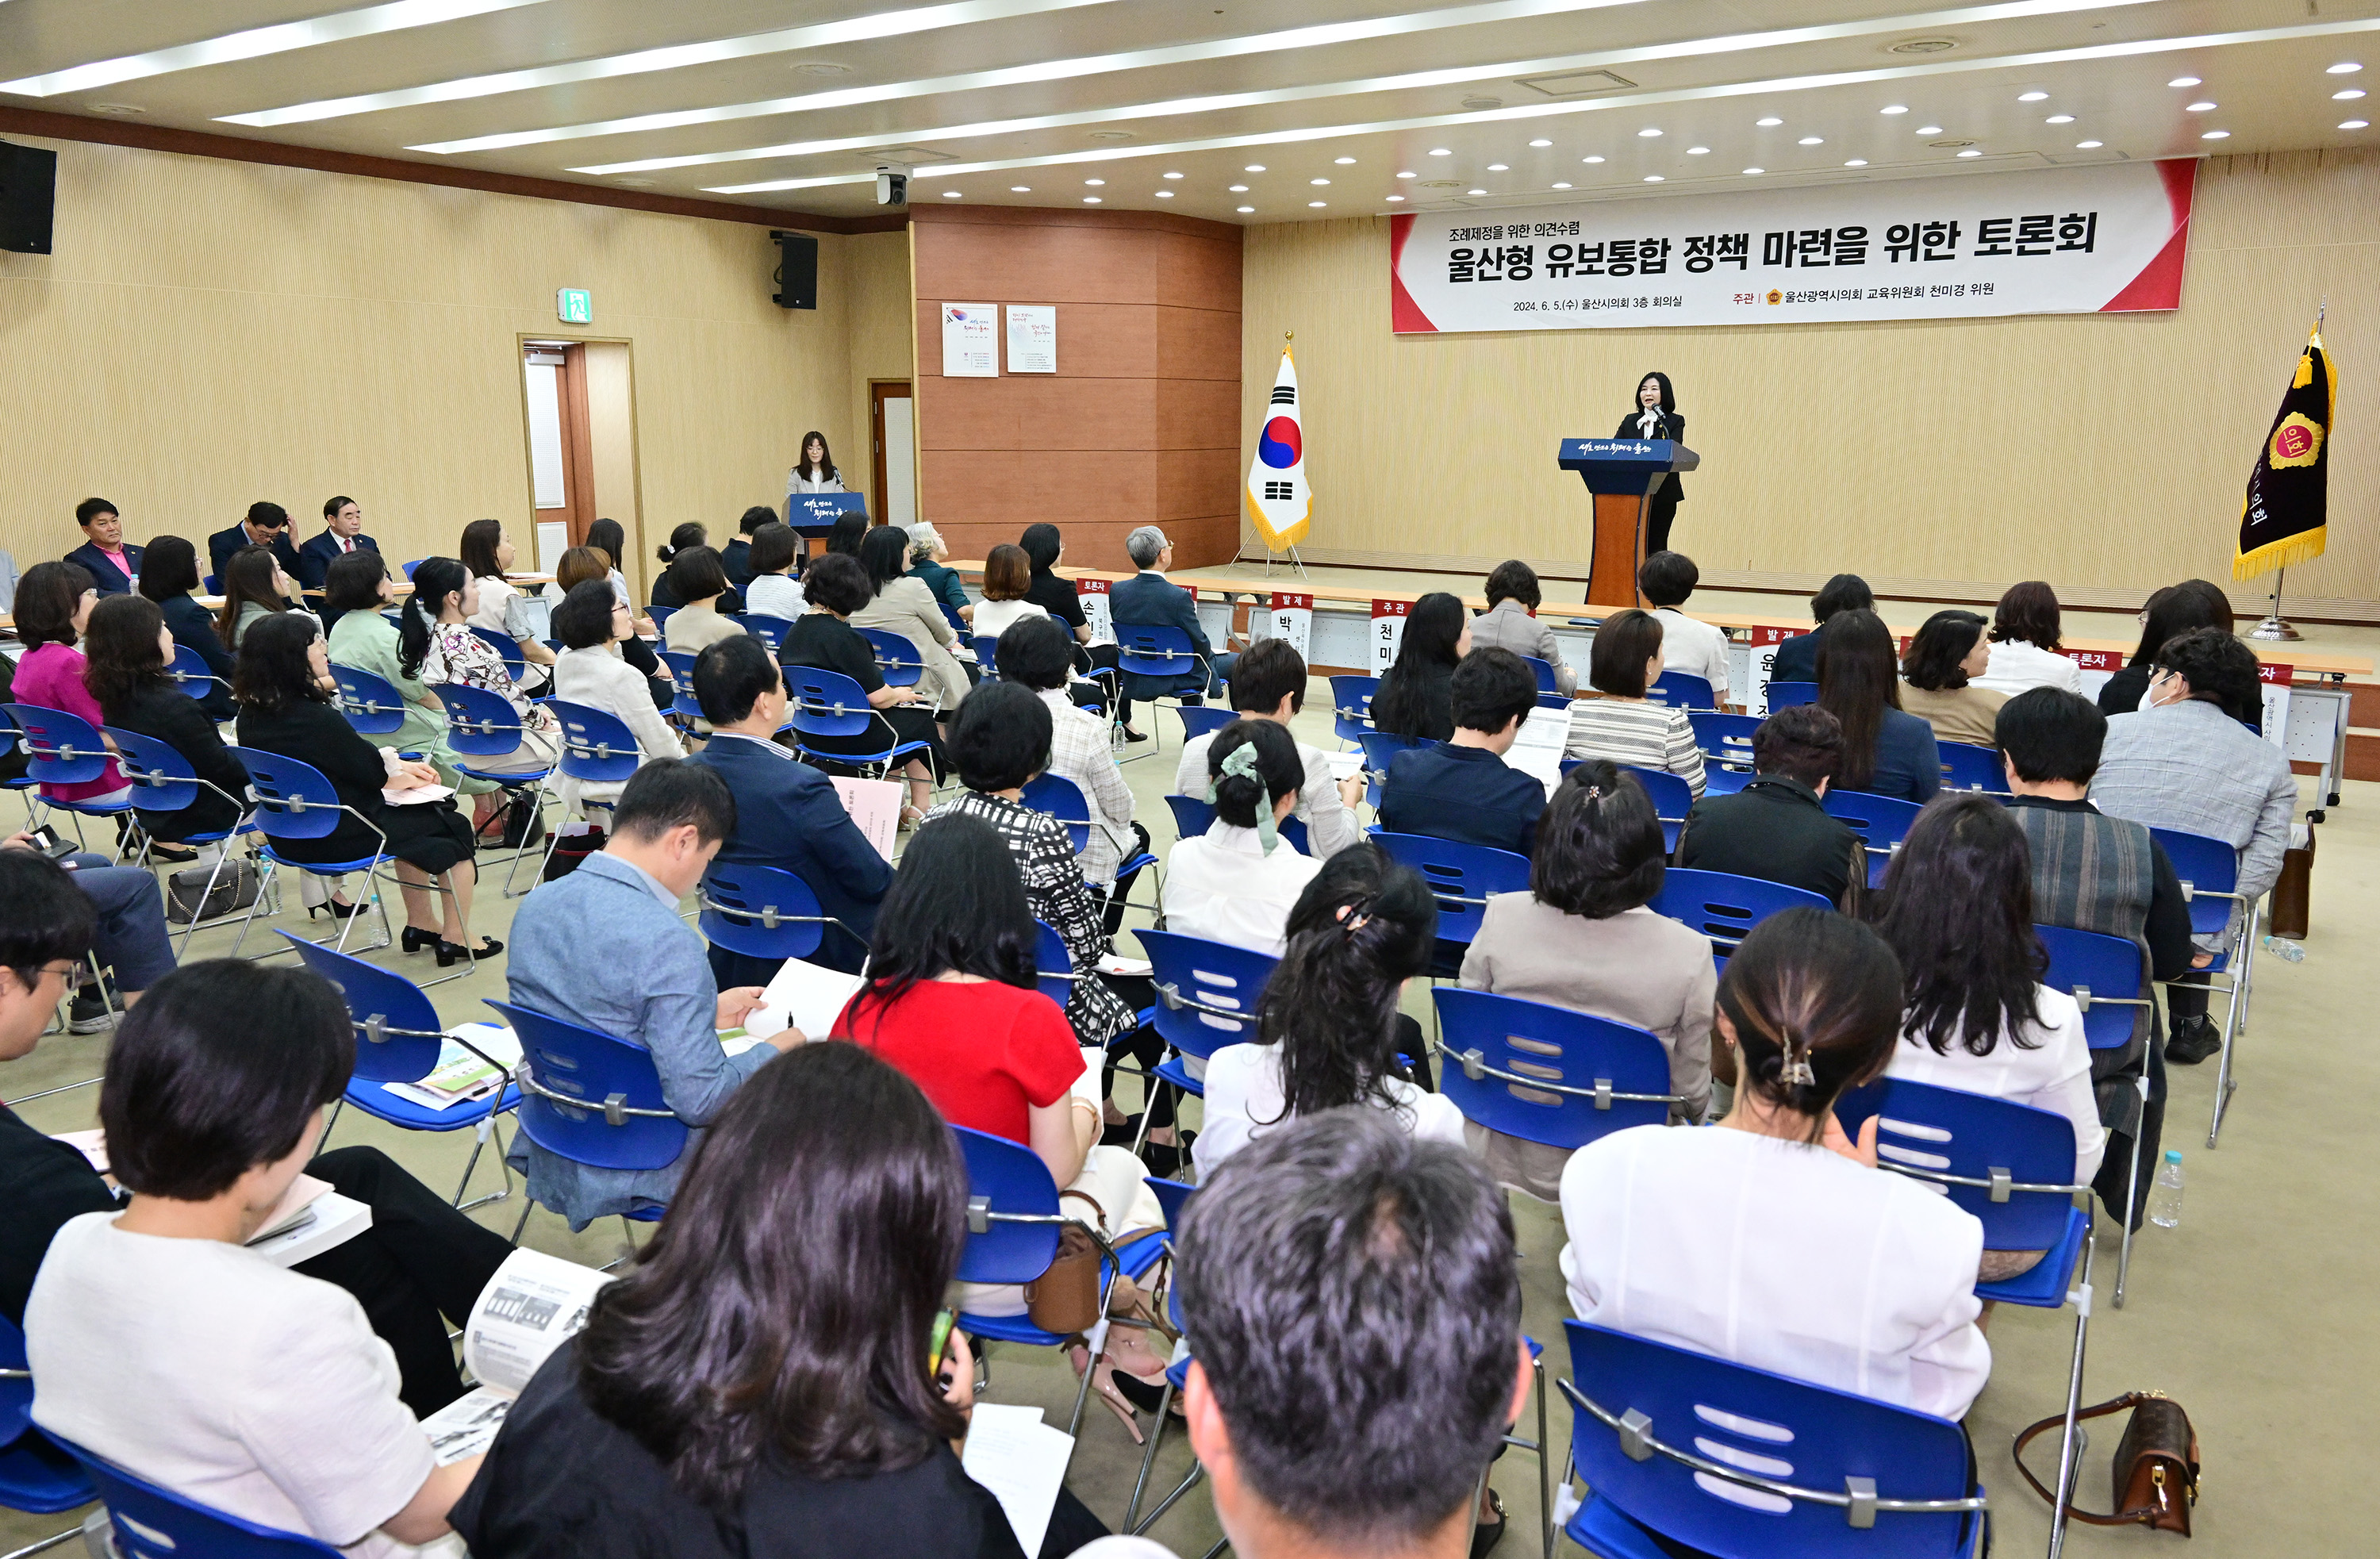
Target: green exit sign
575,305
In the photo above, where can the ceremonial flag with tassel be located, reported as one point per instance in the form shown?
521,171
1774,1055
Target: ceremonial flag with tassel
1277,499
2284,518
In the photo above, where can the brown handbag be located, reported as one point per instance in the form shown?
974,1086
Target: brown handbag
2156,1468
1065,1298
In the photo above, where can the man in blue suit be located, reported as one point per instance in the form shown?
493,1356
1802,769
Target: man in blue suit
267,525
1150,600
104,555
787,814
1797,658
343,532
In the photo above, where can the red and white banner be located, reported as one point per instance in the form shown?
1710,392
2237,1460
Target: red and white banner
2276,688
1765,640
1291,616
2106,239
2097,666
1092,595
1388,633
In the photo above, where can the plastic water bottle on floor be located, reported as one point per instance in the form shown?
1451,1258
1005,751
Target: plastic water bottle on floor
2165,1197
2288,952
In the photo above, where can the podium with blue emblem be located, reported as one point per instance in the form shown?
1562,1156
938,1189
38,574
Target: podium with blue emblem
814,514
1621,473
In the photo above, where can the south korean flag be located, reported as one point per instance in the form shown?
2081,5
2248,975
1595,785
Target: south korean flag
1279,502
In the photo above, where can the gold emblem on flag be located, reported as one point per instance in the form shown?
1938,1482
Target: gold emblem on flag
2296,441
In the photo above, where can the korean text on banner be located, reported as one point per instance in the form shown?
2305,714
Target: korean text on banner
1388,633
2108,238
1291,616
1278,500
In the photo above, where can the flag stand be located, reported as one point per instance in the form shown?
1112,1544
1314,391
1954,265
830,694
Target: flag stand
1295,561
2277,627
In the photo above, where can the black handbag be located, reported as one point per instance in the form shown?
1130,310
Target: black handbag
237,884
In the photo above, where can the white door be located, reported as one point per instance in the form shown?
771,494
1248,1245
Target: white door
900,460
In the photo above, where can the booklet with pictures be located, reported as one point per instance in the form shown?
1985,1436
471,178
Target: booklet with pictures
533,1305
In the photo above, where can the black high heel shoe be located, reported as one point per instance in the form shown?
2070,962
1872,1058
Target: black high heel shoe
338,911
415,940
455,953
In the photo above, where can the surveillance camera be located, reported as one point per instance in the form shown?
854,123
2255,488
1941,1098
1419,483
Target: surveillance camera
892,185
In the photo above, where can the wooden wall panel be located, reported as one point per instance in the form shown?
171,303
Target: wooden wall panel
1139,426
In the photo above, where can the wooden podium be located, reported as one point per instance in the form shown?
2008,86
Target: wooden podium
1620,472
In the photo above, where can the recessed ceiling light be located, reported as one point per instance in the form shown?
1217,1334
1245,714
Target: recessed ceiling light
2344,67
1090,199
1253,167
2059,119
1590,159
1239,188
2217,135
1971,152
2200,107
1647,132
1856,163
1318,182
1541,143
1394,200
1020,188
1475,192
1407,173
2088,145
1315,206
1769,124
1165,194
1561,186
1814,140
2031,97
1654,178
1894,108
950,194
2183,82
2354,124
1500,167
1345,162
1243,210
1173,176
1929,129
2348,96
1697,150
1440,152
1095,183
1755,170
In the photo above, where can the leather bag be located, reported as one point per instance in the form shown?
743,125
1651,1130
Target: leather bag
1065,1298
236,887
2155,1465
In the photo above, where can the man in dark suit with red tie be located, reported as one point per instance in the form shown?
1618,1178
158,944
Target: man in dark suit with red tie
343,519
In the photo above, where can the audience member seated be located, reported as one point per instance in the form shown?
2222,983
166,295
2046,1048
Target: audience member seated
1510,621
1887,751
593,623
1937,678
127,938
682,538
343,532
950,1001
606,537
284,691
1329,1030
591,562
2180,762
357,589
699,583
1007,575
829,1188
2168,615
1688,644
737,556
900,604
9,576
446,594
1269,684
2098,873
1416,696
1797,658
1236,882
1624,726
114,565
265,525
846,534
159,1343
1464,790
1150,600
823,638
773,591
128,651
1770,1239
1956,909
1037,653
169,575
1776,828
928,562
2024,644
253,588
1044,546
1391,1262
488,552
787,814
1581,937
54,606
603,948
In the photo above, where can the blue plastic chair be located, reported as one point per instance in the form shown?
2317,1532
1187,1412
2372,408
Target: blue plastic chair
2209,870
1193,817
1203,720
1145,650
897,656
1206,998
164,780
398,1041
659,614
295,800
1380,749
591,1099
1726,739
1549,693
516,663
1966,766
63,748
1547,1074
679,663
1881,821
1724,906
37,1476
1681,689
769,630
481,725
373,707
1053,964
762,912
987,656
2108,977
409,568
829,704
190,673
1350,706
1786,695
211,584
1671,796
597,748
151,1522
1463,877
1682,1448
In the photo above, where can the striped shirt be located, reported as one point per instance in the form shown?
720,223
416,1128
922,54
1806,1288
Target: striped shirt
1631,732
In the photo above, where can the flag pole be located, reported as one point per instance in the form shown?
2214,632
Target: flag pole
2277,629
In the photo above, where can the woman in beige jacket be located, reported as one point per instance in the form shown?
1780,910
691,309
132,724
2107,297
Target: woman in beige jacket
1512,594
905,605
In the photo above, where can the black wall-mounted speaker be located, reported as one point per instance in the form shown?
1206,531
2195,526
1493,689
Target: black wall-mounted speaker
29,187
796,271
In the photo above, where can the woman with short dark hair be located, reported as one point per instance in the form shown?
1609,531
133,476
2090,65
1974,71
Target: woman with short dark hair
773,591
1007,576
1415,697
1044,547
169,575
822,638
1511,623
698,582
901,604
126,651
1619,723
1887,751
357,589
2026,643
54,606
1937,678
2165,616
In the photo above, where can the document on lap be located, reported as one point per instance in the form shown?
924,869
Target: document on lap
533,1305
875,806
1022,1460
802,996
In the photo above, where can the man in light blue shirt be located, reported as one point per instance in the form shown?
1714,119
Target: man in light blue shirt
604,948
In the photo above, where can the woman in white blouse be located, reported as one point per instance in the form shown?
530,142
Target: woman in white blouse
772,590
2024,644
488,552
1957,908
1329,1031
1236,882
1770,1239
590,622
1007,575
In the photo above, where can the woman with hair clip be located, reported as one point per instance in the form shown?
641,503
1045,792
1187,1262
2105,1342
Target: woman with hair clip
358,587
1416,694
1957,908
487,553
1937,678
254,587
1656,415
764,1379
1887,751
2166,617
665,588
456,655
2024,643
1237,883
1771,1238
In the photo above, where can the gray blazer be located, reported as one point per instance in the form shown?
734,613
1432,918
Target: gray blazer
1508,625
2192,768
599,949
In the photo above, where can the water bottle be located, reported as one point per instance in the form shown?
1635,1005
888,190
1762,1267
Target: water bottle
2288,952
2165,1197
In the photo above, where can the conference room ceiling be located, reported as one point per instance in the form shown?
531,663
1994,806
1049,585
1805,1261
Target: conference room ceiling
1236,111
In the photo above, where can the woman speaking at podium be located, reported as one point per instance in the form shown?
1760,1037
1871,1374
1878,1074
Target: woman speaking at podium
1656,416
817,472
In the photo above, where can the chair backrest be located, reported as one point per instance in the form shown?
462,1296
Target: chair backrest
1062,799
1482,1034
1966,766
2109,968
378,1000
409,568
151,1522
760,911
293,800
1191,973
660,614
1191,817
1379,747
1173,1198
1785,694
770,630
1727,737
503,645
1351,705
1462,876
1950,1131
597,746
679,663
1723,906
371,704
2209,870
1671,796
211,584
1006,1178
478,723
826,703
1148,650
1881,821
1053,964
1683,689
1200,720
1544,671
896,656
581,1063
162,780
62,748
1791,1431
189,671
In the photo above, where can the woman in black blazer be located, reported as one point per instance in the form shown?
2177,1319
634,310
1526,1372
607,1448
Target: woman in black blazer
1656,416
168,575
126,648
285,689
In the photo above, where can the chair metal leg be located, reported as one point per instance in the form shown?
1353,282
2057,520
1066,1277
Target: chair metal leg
192,929
1544,1461
2066,1450
1197,1471
527,1206
538,793
2131,1199
333,1124
45,1544
1148,1456
2234,1026
487,1127
264,880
